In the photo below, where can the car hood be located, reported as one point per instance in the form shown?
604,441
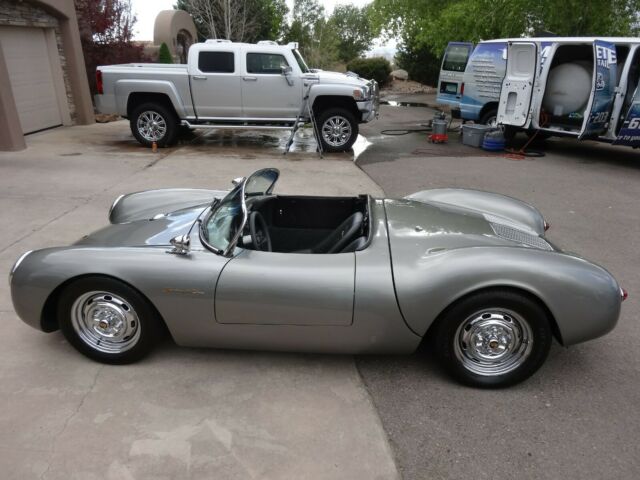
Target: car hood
146,232
433,227
341,78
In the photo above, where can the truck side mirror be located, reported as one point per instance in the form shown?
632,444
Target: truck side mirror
287,71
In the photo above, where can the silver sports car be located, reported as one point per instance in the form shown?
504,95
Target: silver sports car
471,272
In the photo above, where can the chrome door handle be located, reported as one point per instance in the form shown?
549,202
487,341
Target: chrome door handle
250,79
199,77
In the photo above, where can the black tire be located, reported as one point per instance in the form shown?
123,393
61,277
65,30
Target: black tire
489,117
499,307
344,115
166,114
140,317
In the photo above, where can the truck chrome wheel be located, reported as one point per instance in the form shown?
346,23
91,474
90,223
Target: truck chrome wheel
105,322
493,342
336,131
151,126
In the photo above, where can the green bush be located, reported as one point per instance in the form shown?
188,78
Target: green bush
164,55
377,68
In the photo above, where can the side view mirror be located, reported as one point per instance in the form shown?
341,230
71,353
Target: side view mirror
181,245
237,181
287,70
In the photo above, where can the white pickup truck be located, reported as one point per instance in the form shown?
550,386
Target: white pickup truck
236,85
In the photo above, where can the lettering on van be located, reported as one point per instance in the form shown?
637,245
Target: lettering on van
605,57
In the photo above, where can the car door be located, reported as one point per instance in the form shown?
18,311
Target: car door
603,90
270,288
215,84
266,91
517,86
452,70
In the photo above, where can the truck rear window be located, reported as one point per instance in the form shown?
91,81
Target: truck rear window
216,62
455,58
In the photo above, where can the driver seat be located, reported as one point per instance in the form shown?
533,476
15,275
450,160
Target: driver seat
344,234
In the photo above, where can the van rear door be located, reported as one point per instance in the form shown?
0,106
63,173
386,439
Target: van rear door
603,90
629,134
517,86
454,63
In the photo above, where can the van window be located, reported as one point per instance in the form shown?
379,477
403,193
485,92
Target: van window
216,62
455,58
266,63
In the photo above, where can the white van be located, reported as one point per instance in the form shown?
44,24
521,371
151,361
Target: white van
564,86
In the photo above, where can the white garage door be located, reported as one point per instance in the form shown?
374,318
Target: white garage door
27,57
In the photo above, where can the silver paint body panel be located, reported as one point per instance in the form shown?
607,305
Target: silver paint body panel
423,255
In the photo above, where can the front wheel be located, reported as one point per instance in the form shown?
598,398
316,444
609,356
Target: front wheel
337,128
493,339
107,320
152,122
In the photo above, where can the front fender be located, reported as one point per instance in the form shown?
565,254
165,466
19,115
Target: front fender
505,208
583,298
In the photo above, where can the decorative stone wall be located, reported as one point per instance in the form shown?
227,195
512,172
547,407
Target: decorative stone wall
19,13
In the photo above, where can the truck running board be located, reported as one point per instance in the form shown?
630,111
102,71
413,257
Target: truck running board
239,126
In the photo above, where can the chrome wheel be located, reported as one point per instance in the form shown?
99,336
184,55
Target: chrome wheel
105,322
493,342
336,131
151,126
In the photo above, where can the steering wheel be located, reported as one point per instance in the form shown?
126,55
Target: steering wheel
259,232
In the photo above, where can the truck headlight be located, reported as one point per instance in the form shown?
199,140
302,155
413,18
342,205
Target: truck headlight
362,93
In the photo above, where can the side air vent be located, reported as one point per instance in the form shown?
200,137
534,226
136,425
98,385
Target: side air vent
515,235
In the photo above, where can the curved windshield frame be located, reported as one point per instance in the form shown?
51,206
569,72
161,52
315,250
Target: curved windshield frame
223,226
301,63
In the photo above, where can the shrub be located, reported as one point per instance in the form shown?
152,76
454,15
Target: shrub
164,55
421,63
377,68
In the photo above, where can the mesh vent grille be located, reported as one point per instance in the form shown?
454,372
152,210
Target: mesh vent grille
515,235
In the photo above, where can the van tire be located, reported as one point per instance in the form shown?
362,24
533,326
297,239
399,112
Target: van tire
490,117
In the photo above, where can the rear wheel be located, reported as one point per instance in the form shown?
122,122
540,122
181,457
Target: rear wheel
493,339
107,320
338,129
151,122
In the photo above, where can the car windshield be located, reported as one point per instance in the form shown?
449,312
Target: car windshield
301,63
222,227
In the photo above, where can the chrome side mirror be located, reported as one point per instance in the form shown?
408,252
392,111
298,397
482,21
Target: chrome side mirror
287,71
237,181
181,245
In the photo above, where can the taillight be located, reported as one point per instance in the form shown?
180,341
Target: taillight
623,294
547,226
462,89
99,82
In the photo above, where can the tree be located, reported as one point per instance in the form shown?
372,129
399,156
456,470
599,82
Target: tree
354,31
316,37
237,20
164,55
106,32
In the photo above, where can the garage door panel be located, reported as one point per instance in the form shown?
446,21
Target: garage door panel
27,58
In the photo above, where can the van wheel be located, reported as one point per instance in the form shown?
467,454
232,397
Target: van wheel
151,123
490,118
338,129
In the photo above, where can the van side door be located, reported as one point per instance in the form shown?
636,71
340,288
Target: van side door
603,91
517,86
454,62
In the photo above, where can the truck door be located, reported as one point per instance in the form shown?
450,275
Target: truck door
517,86
603,90
215,84
452,70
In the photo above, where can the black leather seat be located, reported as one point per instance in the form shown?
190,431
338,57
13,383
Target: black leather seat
341,237
357,244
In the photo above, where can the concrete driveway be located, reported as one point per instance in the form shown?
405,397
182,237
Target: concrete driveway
182,413
579,416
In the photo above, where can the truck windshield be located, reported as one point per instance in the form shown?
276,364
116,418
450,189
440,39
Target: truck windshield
300,60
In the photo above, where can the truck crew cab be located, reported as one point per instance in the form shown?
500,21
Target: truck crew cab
236,85
564,86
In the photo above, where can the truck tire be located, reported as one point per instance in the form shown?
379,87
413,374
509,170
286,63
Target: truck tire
338,129
152,122
490,118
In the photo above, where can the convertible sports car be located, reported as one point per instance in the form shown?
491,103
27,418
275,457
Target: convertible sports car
469,271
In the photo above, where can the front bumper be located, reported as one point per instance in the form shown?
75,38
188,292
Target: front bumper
370,109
